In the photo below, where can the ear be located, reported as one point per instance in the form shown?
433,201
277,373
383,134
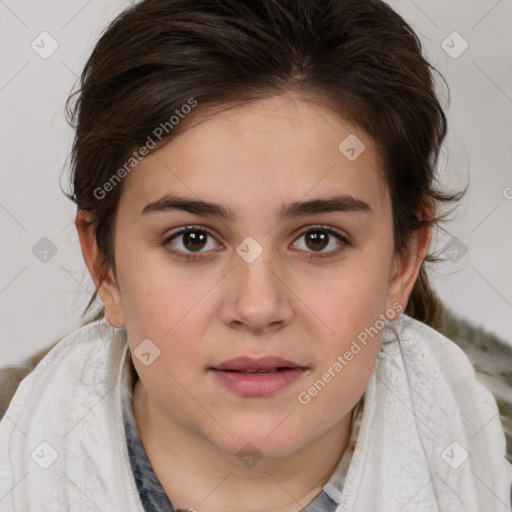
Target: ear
108,290
407,264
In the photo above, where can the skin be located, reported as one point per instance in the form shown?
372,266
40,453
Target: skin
252,158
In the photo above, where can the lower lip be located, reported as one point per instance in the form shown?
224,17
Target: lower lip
258,384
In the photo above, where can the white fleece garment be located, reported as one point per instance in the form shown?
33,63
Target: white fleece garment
430,440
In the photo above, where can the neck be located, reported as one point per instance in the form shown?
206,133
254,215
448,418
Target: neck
195,473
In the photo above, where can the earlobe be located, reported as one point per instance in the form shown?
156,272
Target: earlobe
108,289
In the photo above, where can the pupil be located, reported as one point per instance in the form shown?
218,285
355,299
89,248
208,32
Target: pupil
318,240
194,240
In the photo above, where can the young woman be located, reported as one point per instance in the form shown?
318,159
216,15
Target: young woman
256,195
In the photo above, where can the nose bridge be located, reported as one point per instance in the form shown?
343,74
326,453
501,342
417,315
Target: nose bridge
259,298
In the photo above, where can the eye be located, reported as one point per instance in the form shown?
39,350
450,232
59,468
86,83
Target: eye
318,238
188,241
191,241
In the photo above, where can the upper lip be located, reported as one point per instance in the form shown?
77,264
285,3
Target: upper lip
254,364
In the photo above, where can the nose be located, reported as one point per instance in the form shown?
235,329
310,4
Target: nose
257,298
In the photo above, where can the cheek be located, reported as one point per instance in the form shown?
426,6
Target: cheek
157,295
346,356
349,351
351,309
338,386
352,299
167,318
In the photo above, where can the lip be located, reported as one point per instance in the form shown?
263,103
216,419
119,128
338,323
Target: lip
254,364
280,374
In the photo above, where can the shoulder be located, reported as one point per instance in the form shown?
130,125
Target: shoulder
422,344
12,375
478,367
76,349
436,372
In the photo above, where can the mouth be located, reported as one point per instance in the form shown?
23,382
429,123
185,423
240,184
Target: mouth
257,377
267,364
274,370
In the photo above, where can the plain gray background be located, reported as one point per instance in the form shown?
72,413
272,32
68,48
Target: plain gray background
42,294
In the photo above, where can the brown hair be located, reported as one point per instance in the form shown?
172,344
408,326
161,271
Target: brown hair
358,58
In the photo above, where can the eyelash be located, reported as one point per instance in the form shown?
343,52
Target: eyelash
197,256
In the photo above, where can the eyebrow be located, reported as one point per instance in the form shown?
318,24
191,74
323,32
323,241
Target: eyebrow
338,203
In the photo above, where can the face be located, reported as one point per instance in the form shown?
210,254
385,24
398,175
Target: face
265,279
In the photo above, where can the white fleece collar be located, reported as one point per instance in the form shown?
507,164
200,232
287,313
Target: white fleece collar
430,438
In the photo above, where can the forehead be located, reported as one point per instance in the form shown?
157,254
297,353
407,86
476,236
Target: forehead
273,149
